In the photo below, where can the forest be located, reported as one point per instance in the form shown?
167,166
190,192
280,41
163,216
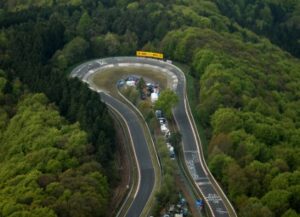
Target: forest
46,168
245,68
278,20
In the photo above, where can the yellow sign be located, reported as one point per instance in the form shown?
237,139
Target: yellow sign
149,54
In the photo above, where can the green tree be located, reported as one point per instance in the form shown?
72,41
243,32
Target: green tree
290,213
44,164
277,201
132,94
237,181
112,42
202,59
145,107
218,164
85,25
166,101
254,206
226,120
294,197
175,139
281,181
141,85
258,177
72,52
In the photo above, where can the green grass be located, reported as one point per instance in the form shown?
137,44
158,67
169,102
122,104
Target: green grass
108,78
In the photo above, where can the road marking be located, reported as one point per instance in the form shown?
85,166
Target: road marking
190,152
214,198
221,211
123,64
191,155
202,179
77,71
191,166
101,62
203,183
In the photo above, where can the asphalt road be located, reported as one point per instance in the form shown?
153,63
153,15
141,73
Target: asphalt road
192,153
142,153
146,169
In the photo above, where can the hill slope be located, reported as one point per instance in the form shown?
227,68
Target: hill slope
45,167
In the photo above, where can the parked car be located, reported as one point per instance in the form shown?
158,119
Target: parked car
121,83
143,96
162,120
167,134
164,128
159,114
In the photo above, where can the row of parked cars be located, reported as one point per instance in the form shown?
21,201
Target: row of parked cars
150,90
165,131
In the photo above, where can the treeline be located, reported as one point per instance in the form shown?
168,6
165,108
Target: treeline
41,44
248,101
47,165
28,51
31,49
277,20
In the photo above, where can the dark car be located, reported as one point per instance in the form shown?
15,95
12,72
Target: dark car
143,96
159,114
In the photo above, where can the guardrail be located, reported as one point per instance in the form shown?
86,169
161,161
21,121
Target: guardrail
216,186
121,210
147,207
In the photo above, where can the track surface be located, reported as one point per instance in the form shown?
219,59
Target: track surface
142,153
194,162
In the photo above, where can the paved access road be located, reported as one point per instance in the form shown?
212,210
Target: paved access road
215,200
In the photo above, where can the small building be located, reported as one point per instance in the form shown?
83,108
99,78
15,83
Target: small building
130,83
154,97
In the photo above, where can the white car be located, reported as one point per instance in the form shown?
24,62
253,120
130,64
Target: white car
163,128
162,121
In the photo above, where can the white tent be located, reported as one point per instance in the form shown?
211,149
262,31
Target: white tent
154,97
130,83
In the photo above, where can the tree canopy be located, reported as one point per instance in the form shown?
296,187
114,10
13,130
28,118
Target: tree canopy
166,101
244,75
46,169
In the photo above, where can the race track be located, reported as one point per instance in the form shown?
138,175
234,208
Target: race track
215,199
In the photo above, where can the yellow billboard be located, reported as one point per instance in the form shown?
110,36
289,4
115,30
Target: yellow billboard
149,54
